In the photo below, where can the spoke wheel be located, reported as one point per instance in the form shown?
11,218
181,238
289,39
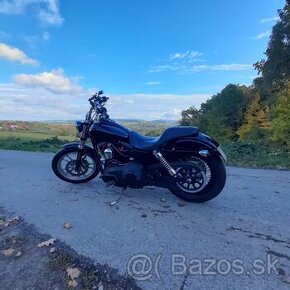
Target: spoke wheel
199,179
64,166
67,166
203,165
191,178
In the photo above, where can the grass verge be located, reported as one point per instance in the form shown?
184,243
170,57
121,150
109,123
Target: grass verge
52,144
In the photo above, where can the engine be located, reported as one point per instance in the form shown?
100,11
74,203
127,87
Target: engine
129,174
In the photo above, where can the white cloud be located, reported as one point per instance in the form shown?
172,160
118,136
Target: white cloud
14,54
15,6
21,103
189,55
51,15
139,106
164,67
174,114
34,39
48,11
270,19
188,68
185,62
220,67
263,34
54,81
152,83
36,103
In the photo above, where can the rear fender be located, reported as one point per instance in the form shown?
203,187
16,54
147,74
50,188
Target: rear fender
200,145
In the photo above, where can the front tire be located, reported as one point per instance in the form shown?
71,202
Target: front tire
63,164
211,189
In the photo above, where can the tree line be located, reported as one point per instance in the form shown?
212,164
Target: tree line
257,112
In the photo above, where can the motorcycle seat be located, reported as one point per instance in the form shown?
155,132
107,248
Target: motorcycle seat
145,143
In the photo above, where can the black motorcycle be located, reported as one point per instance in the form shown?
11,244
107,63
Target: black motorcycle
184,160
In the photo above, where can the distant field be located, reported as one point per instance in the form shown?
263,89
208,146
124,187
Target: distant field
48,137
30,136
32,139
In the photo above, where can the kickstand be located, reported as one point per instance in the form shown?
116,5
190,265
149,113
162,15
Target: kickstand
118,198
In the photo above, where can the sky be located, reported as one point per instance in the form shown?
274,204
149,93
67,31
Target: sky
153,58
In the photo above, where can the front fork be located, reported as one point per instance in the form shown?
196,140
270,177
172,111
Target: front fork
81,147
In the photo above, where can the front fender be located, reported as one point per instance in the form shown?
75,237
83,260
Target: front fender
76,146
196,144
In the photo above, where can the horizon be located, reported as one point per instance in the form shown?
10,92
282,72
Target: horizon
73,120
153,62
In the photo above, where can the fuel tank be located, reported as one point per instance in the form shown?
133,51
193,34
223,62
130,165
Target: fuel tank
109,131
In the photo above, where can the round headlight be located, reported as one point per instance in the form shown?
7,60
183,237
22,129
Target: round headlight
79,126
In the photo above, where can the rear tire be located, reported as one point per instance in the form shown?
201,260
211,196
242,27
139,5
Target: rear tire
73,178
214,186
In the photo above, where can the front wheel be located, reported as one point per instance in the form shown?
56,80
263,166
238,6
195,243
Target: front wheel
64,166
199,179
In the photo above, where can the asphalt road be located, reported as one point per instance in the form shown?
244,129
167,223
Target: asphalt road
237,240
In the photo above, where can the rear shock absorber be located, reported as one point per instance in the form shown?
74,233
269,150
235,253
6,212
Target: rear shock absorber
164,162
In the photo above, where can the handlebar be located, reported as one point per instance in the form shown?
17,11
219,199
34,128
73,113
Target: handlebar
97,101
97,98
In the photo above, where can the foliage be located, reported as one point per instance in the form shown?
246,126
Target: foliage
221,115
191,117
256,120
280,126
275,70
257,154
226,112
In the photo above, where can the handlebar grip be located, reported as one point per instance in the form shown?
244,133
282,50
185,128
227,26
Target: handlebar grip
104,99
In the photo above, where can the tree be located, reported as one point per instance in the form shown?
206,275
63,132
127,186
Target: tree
221,115
256,120
275,70
224,112
280,125
190,117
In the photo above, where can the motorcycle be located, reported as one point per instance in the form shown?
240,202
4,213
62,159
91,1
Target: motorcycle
182,159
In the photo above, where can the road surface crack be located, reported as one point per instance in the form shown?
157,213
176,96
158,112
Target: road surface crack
260,236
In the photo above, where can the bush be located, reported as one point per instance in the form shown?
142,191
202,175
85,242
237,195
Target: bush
257,154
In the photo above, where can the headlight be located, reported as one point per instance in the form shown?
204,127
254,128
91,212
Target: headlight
79,126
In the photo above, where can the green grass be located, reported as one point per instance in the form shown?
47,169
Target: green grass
32,141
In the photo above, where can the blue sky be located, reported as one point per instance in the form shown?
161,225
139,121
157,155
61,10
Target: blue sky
154,58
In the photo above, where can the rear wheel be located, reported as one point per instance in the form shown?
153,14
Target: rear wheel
64,166
199,179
